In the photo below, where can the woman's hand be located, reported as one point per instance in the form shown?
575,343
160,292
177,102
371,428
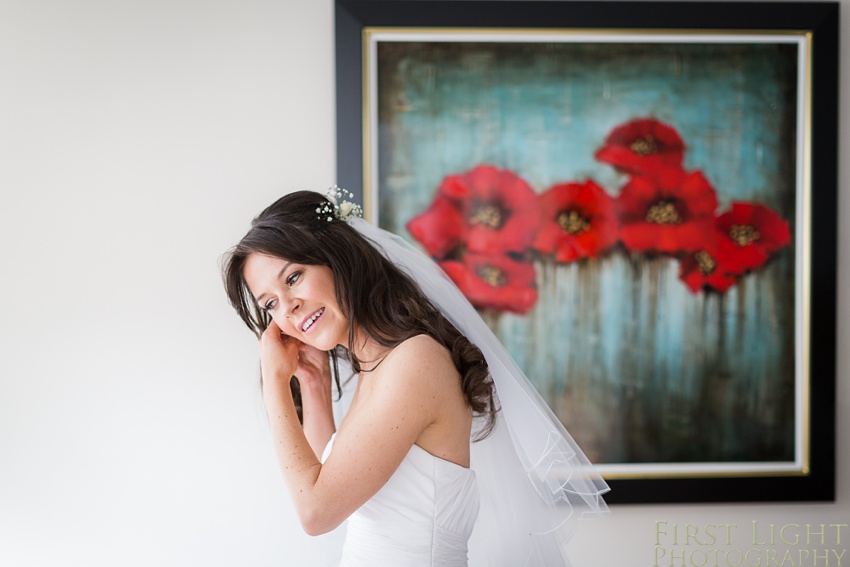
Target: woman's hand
282,356
278,358
313,366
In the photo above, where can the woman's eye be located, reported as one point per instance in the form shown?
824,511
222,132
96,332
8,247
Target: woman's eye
293,277
270,304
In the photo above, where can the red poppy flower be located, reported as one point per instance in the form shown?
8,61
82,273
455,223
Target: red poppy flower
577,221
642,146
494,211
439,229
670,213
717,265
494,281
756,230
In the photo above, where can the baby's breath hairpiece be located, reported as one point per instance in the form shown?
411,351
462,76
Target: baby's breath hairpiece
339,207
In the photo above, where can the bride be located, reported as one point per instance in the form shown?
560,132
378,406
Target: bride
446,455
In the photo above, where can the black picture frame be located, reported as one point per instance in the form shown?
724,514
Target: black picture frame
821,21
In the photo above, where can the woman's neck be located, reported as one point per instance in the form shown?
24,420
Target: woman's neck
368,351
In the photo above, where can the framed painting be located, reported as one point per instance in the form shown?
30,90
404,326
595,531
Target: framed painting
640,200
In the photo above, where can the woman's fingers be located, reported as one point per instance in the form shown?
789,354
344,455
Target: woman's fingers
278,353
287,356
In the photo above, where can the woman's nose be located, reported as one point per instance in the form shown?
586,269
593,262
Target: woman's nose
288,313
292,307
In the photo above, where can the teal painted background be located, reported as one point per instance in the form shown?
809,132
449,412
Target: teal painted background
638,368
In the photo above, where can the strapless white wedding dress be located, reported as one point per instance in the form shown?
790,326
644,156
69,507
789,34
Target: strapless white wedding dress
423,516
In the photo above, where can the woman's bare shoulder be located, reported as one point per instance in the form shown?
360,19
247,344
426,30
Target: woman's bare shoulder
423,350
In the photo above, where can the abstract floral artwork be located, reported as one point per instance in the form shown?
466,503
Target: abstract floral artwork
625,216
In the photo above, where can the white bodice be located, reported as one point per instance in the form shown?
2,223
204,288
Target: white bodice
423,516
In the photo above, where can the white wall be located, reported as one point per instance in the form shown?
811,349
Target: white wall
137,139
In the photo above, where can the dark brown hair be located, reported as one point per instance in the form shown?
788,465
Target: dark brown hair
376,297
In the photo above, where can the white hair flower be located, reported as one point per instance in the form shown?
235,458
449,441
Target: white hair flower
343,211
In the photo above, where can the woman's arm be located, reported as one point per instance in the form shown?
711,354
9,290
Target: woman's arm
314,376
396,403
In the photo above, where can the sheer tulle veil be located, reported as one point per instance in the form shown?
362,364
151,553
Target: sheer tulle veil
534,481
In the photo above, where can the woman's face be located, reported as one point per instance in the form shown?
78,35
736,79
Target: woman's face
300,299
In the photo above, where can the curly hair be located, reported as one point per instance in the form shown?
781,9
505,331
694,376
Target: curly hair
377,297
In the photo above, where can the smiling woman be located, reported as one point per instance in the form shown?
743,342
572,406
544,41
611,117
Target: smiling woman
400,466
